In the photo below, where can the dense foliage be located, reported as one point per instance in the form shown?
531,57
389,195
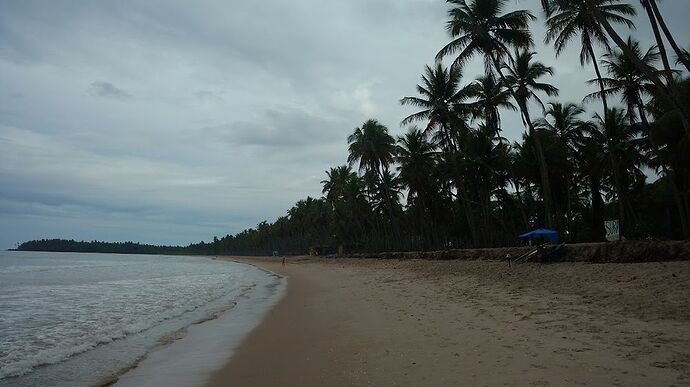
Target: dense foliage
455,181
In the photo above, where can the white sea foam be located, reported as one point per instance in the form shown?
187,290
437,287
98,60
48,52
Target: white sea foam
72,318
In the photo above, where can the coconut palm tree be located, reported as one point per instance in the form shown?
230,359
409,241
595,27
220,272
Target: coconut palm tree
626,80
590,168
417,157
374,149
622,157
480,28
439,93
335,187
604,20
572,18
564,121
489,96
522,76
584,18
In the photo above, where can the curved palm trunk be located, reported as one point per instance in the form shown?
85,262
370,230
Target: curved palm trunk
663,89
668,34
543,168
659,40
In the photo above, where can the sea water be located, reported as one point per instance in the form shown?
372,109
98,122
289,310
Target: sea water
73,319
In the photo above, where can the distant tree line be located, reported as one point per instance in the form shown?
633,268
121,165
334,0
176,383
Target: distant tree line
456,182
64,245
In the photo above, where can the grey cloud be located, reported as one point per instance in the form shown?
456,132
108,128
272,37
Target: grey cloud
281,128
108,90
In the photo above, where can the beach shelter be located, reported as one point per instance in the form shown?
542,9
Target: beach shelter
541,233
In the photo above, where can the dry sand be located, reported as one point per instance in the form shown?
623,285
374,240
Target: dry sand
434,323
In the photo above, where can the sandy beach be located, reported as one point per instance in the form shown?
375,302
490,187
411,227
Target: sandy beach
434,323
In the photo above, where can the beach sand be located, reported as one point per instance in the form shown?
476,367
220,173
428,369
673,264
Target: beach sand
433,323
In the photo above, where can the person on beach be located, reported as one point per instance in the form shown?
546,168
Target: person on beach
283,260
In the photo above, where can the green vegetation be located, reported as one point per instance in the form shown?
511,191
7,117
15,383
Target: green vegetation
465,185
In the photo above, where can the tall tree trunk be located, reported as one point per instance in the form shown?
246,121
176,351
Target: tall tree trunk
600,80
667,33
663,89
659,40
543,168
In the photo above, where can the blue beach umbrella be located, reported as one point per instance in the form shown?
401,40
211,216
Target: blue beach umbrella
545,233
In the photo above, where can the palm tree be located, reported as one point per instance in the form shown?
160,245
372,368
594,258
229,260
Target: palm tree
590,168
584,18
374,149
564,121
627,80
480,28
604,21
572,18
622,157
336,186
522,76
490,96
439,93
416,158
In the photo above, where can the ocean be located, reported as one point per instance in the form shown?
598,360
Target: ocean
78,319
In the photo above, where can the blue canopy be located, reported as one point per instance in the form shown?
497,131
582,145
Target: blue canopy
551,235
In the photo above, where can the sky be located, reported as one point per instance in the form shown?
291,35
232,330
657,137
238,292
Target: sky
169,122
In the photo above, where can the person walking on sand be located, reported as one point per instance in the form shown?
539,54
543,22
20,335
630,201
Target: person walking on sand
283,260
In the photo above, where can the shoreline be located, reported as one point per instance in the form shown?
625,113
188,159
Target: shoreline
190,355
391,322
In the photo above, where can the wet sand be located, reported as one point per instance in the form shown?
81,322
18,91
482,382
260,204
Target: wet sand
375,322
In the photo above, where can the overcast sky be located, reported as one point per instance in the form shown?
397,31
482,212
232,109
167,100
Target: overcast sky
170,122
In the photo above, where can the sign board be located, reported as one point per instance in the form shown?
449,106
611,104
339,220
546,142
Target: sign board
612,230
